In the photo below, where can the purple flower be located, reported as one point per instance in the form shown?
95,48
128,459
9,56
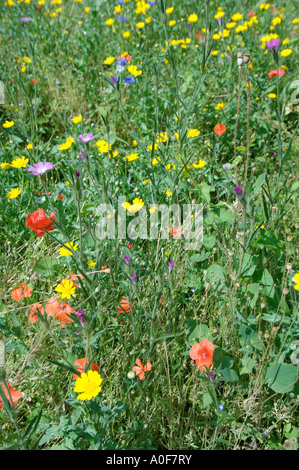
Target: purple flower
81,317
82,155
151,3
273,44
134,279
219,20
171,265
114,80
239,191
123,19
40,168
127,259
77,174
86,138
211,376
26,19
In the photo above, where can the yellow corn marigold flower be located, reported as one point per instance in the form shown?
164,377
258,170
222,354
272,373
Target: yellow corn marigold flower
8,124
135,207
162,137
66,145
193,133
192,18
5,165
140,24
172,23
131,157
13,193
91,263
77,119
220,106
109,60
134,71
66,289
103,146
296,280
88,385
109,22
20,162
200,164
126,34
66,251
272,95
237,17
29,146
214,53
286,52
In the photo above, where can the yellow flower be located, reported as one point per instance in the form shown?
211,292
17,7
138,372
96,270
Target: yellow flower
132,69
237,17
103,146
295,20
168,193
27,60
193,133
286,41
231,25
272,95
200,164
162,137
20,162
216,36
88,385
148,20
135,207
29,146
214,53
109,60
13,193
135,143
172,23
66,252
296,280
126,34
140,25
169,10
286,52
153,209
132,157
77,119
5,165
192,18
91,263
109,22
67,144
220,14
8,124
220,106
66,289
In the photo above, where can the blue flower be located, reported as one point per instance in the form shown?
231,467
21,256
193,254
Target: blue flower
129,80
221,407
121,62
123,19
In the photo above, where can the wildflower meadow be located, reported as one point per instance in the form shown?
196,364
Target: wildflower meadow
149,268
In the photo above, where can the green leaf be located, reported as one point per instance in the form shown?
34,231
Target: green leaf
46,267
281,378
197,331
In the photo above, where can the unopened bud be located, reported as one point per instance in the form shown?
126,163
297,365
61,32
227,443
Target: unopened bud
240,59
246,58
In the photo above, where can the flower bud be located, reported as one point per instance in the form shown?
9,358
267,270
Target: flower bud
240,59
246,58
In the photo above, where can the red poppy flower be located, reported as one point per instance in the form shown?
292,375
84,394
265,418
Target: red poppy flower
20,292
140,370
124,305
73,277
273,73
62,314
220,129
202,354
34,81
251,14
15,395
80,363
33,316
176,231
199,35
60,196
39,223
60,310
